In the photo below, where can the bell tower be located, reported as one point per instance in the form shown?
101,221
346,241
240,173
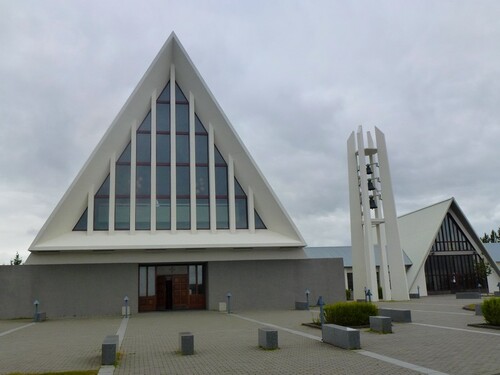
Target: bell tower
373,220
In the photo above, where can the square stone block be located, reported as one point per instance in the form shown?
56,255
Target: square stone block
479,310
301,305
397,315
186,343
381,324
468,295
268,338
340,336
109,346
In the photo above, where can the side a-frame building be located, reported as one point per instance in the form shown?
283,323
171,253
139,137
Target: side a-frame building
446,253
442,253
171,211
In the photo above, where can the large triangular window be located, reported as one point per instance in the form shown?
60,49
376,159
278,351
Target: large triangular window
188,198
453,263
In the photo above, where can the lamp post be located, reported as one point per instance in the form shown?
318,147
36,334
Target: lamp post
321,304
126,306
307,298
229,295
36,303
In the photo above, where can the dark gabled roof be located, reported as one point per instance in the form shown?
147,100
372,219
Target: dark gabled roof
345,253
494,250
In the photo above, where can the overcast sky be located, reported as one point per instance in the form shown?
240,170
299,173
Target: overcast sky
295,78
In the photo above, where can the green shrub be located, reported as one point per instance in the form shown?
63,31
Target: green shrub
491,311
350,313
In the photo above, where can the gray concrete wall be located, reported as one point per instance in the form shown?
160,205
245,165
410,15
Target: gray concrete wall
274,284
67,290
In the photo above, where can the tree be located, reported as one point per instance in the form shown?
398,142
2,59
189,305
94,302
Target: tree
17,260
493,237
483,269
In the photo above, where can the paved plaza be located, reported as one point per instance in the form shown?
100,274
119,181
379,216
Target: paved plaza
438,341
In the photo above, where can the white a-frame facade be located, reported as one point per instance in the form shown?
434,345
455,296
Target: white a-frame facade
170,178
170,212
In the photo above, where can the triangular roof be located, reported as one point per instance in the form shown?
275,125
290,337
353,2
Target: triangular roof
418,231
57,234
344,252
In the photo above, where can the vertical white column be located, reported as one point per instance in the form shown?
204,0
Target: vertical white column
192,163
251,210
399,283
384,269
230,185
153,161
371,272
112,192
379,234
90,210
211,178
357,239
173,159
133,167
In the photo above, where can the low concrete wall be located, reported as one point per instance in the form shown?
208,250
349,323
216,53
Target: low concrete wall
67,290
274,284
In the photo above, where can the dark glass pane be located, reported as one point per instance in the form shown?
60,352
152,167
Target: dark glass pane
125,156
199,277
143,182
183,214
104,189
122,213
143,148
122,180
238,190
146,124
221,181
163,148
241,213
202,213
198,126
202,185
181,118
201,149
259,224
162,181
179,95
162,117
165,94
101,213
218,158
183,187
192,279
222,213
143,214
163,214
101,206
82,222
182,148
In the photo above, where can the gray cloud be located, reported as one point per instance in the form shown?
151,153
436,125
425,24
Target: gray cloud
294,79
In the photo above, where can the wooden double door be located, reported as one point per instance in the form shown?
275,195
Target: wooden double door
173,293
